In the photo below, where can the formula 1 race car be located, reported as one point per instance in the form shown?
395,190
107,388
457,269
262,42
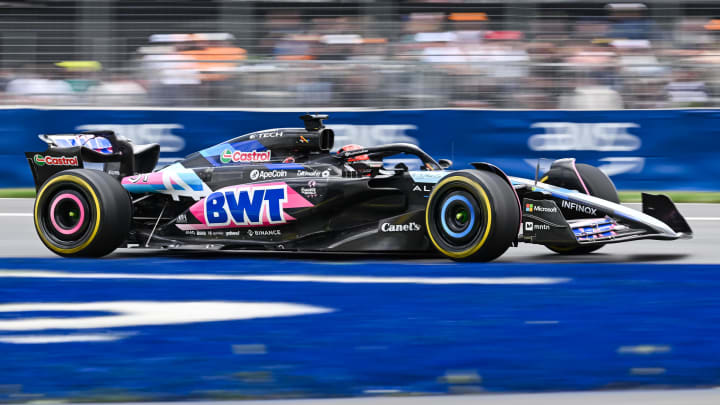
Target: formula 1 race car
284,190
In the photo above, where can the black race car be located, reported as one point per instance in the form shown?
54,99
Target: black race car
284,189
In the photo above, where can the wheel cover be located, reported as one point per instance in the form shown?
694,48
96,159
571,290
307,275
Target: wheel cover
468,233
67,214
459,215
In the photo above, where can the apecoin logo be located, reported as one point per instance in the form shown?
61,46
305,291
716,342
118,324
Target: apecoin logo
263,175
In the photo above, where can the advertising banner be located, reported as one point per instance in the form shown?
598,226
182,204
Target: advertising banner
639,149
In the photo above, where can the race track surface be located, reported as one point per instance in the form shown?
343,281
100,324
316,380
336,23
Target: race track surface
205,326
20,240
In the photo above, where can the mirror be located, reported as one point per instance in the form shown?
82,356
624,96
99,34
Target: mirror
401,166
445,163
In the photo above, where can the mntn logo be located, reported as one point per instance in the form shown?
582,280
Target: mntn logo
247,206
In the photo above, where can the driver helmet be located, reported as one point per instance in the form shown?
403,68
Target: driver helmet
354,146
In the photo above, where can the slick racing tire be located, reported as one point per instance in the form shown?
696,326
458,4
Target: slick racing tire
82,213
472,215
599,185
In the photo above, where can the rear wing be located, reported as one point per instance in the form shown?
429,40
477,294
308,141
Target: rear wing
69,151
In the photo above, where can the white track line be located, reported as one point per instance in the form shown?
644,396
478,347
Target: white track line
145,313
291,278
42,339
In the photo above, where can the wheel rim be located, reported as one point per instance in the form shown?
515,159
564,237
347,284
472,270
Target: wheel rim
67,213
66,216
458,218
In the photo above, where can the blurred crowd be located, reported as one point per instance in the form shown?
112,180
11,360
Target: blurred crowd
624,57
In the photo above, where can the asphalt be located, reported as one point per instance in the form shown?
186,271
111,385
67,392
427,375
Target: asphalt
20,240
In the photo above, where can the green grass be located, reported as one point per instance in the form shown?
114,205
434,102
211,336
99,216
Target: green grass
17,192
625,196
676,196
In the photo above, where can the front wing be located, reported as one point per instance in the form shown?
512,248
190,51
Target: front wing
546,208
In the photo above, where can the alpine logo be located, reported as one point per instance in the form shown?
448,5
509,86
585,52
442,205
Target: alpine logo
41,160
264,175
228,156
247,206
409,227
579,208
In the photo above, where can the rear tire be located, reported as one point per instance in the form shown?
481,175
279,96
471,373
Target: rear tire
598,185
472,215
82,213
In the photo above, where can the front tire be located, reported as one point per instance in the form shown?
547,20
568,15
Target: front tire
82,213
472,215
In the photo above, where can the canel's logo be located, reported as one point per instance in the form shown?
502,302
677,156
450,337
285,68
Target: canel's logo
247,206
237,156
605,136
41,160
409,227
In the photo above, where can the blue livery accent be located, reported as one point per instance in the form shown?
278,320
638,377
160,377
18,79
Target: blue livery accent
590,229
212,154
430,177
99,144
143,188
192,180
284,166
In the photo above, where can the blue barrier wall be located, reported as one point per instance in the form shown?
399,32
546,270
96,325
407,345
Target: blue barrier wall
665,149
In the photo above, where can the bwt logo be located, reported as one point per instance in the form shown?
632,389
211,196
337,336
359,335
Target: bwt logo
247,206
607,136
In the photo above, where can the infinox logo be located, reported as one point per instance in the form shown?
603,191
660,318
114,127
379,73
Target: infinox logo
579,208
41,160
258,205
229,156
